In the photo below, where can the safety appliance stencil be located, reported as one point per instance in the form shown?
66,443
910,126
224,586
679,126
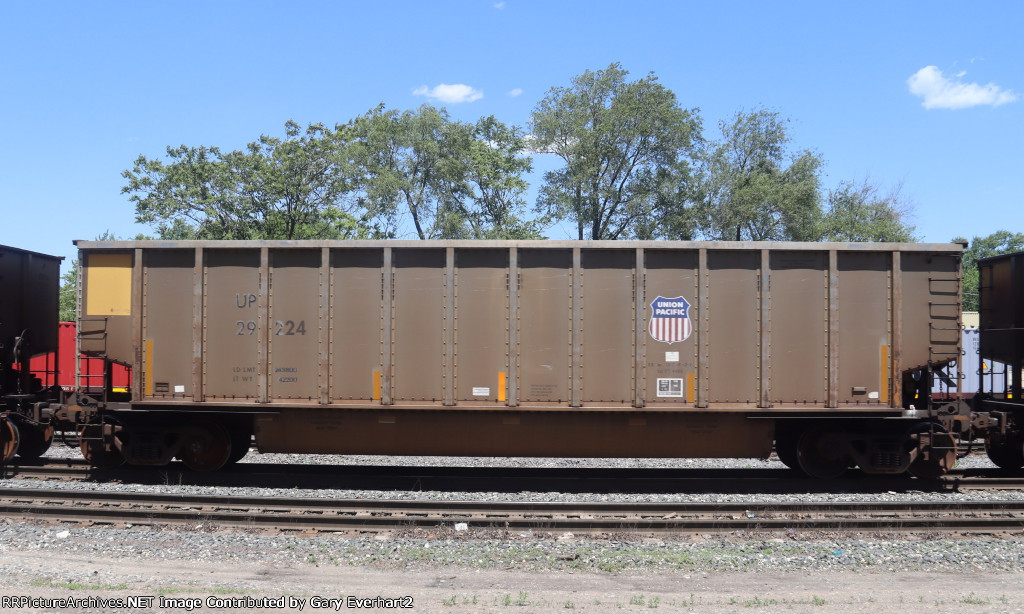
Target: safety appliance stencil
670,320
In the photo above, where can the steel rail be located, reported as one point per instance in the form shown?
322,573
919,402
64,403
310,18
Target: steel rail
381,514
79,470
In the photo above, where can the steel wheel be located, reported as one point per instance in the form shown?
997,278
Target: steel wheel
1006,451
35,440
819,457
207,447
941,452
9,439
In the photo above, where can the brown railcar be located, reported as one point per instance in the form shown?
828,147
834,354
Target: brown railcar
28,328
1001,313
549,348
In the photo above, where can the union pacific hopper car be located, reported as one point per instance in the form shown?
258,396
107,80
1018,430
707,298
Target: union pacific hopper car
548,348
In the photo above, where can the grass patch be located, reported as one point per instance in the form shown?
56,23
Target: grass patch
78,586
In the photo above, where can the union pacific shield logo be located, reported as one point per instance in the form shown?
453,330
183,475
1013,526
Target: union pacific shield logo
670,319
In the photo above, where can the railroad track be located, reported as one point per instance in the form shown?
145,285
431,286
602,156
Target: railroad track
603,518
505,479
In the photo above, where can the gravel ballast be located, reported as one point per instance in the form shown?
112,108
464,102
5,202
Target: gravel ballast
484,569
482,547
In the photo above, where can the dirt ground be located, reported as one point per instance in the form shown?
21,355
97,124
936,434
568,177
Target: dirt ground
178,586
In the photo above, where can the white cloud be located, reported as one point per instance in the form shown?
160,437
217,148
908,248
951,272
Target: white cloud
940,92
499,5
452,94
516,92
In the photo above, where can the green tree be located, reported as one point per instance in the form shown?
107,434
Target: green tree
404,165
863,213
999,242
453,179
749,193
297,187
494,205
67,300
626,147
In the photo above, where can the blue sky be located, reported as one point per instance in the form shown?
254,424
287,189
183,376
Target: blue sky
929,95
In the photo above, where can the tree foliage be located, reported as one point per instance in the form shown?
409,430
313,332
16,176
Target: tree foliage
405,166
358,180
291,188
67,300
625,146
999,242
634,164
863,213
493,197
748,191
453,179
